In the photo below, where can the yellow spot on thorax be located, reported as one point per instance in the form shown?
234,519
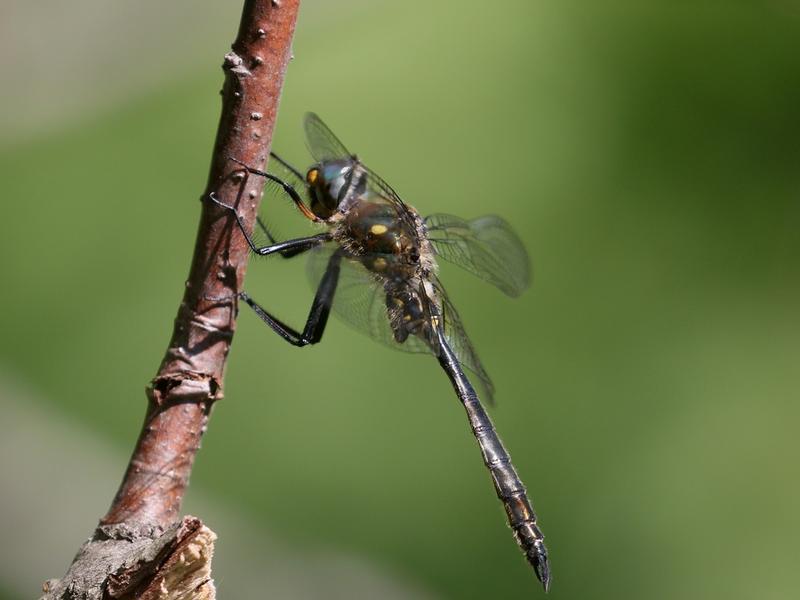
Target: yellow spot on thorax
379,263
378,229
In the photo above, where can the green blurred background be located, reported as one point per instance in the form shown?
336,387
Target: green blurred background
648,154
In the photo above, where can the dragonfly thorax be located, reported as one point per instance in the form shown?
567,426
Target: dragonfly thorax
386,242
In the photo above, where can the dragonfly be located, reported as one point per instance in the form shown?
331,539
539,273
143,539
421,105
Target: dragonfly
376,266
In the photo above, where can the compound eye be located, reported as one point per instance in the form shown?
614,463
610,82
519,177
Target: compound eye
312,176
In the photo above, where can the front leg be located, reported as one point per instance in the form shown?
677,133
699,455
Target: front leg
287,187
287,249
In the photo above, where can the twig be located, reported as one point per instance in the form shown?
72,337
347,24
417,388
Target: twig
141,536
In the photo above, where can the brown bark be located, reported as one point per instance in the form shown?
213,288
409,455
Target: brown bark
147,506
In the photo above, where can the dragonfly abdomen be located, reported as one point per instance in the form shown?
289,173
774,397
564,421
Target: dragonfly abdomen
510,489
507,484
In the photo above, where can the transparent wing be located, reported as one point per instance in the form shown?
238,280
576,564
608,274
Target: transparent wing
378,186
460,343
486,247
324,145
360,300
321,141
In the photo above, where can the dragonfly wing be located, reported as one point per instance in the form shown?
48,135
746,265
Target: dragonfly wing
360,299
378,186
460,343
324,146
486,247
321,141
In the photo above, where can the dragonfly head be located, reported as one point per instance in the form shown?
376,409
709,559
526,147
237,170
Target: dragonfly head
328,182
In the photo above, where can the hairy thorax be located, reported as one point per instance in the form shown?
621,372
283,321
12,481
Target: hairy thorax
390,241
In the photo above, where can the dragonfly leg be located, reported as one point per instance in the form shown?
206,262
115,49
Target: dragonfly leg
286,253
287,187
297,173
510,489
317,316
287,248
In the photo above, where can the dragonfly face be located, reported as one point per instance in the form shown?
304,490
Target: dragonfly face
328,183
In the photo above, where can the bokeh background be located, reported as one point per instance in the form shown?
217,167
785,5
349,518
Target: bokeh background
648,154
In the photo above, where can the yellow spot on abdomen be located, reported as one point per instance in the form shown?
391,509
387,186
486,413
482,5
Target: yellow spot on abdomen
378,229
